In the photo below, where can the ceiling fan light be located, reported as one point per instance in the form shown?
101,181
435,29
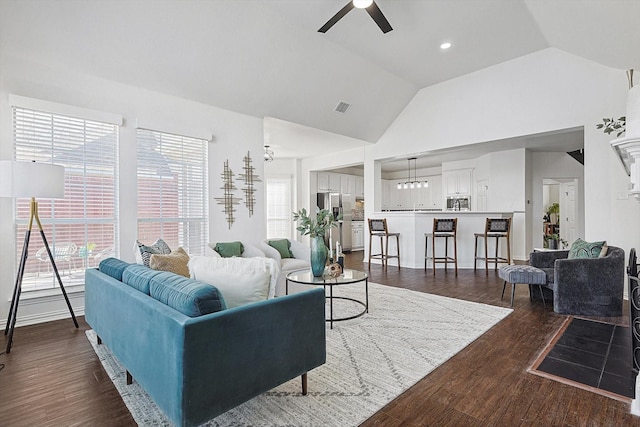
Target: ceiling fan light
362,4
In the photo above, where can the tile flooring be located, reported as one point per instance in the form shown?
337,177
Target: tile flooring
594,354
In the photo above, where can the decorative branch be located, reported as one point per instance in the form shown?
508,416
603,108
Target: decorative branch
611,125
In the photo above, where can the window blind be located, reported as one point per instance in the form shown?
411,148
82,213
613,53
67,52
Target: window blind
172,190
278,202
81,229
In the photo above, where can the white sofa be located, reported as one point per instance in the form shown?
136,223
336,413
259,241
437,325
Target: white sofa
301,259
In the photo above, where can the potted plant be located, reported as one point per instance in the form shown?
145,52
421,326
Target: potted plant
553,239
316,228
552,211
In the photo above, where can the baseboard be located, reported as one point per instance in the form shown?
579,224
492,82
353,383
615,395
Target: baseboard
45,317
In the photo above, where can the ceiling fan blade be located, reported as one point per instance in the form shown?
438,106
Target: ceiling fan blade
338,16
377,16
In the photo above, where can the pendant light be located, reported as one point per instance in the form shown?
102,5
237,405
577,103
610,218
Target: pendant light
409,183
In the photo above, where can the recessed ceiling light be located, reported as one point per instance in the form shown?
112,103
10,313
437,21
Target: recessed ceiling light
445,45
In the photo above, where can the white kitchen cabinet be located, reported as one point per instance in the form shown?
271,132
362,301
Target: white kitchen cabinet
386,202
435,191
348,184
395,196
456,182
328,182
357,235
359,186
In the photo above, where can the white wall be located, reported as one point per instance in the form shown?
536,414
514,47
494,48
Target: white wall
233,136
542,92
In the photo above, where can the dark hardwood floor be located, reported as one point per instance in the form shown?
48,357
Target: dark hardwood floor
52,377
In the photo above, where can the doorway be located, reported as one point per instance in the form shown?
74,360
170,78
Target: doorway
560,202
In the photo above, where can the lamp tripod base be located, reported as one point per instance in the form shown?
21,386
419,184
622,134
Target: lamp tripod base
13,310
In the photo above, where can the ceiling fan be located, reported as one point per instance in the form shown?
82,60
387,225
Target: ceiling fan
369,5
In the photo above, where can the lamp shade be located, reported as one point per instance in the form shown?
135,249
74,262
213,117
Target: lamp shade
31,179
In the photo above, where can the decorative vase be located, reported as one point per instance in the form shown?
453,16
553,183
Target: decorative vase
319,253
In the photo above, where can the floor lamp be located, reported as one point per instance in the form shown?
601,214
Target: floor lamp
34,180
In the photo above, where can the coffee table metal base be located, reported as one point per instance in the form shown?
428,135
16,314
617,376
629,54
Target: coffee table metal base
330,298
348,277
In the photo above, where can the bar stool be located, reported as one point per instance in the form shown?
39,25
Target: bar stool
378,227
494,228
444,228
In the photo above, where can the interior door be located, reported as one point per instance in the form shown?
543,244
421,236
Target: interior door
568,208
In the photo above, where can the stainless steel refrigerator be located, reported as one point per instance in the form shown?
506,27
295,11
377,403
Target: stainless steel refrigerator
333,202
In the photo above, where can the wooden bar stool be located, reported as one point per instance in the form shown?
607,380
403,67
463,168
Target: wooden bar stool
378,227
445,228
494,228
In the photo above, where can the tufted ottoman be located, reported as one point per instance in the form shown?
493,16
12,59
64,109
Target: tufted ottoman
524,274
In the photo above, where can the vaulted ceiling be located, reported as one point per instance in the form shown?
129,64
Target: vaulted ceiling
265,58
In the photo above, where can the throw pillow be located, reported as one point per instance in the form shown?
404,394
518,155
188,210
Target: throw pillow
283,246
581,249
227,250
175,262
240,280
158,247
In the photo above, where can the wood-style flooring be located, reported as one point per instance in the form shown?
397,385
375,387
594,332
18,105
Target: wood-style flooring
52,377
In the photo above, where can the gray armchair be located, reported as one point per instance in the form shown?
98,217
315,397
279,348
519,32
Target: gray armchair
590,287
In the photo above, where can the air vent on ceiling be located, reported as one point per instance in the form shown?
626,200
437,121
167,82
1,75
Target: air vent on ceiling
342,107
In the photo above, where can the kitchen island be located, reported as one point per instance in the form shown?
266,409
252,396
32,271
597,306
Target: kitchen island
412,225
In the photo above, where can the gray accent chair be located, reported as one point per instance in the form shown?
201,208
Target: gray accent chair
589,287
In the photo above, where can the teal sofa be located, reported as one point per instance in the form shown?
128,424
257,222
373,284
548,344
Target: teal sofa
198,365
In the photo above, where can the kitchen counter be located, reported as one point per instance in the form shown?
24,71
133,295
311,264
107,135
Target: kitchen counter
412,227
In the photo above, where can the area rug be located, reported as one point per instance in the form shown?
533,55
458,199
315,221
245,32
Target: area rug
590,355
370,360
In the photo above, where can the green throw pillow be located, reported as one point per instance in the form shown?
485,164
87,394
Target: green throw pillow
582,249
227,250
283,246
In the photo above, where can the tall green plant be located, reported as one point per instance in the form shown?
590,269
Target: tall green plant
314,226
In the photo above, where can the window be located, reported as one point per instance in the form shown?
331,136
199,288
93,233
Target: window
172,190
81,229
278,201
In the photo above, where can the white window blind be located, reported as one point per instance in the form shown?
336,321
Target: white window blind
279,221
81,229
172,190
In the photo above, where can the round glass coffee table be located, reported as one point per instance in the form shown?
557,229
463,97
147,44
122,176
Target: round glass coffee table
348,276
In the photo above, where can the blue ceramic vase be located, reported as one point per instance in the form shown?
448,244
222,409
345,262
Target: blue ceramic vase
319,254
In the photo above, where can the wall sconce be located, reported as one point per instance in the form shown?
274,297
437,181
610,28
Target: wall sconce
268,154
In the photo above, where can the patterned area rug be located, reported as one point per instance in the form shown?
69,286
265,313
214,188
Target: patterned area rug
370,361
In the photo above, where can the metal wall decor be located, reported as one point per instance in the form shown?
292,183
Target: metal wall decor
249,179
228,201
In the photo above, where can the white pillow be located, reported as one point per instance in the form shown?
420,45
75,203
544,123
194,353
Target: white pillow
240,280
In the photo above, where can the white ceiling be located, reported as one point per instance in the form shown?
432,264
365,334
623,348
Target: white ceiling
265,58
